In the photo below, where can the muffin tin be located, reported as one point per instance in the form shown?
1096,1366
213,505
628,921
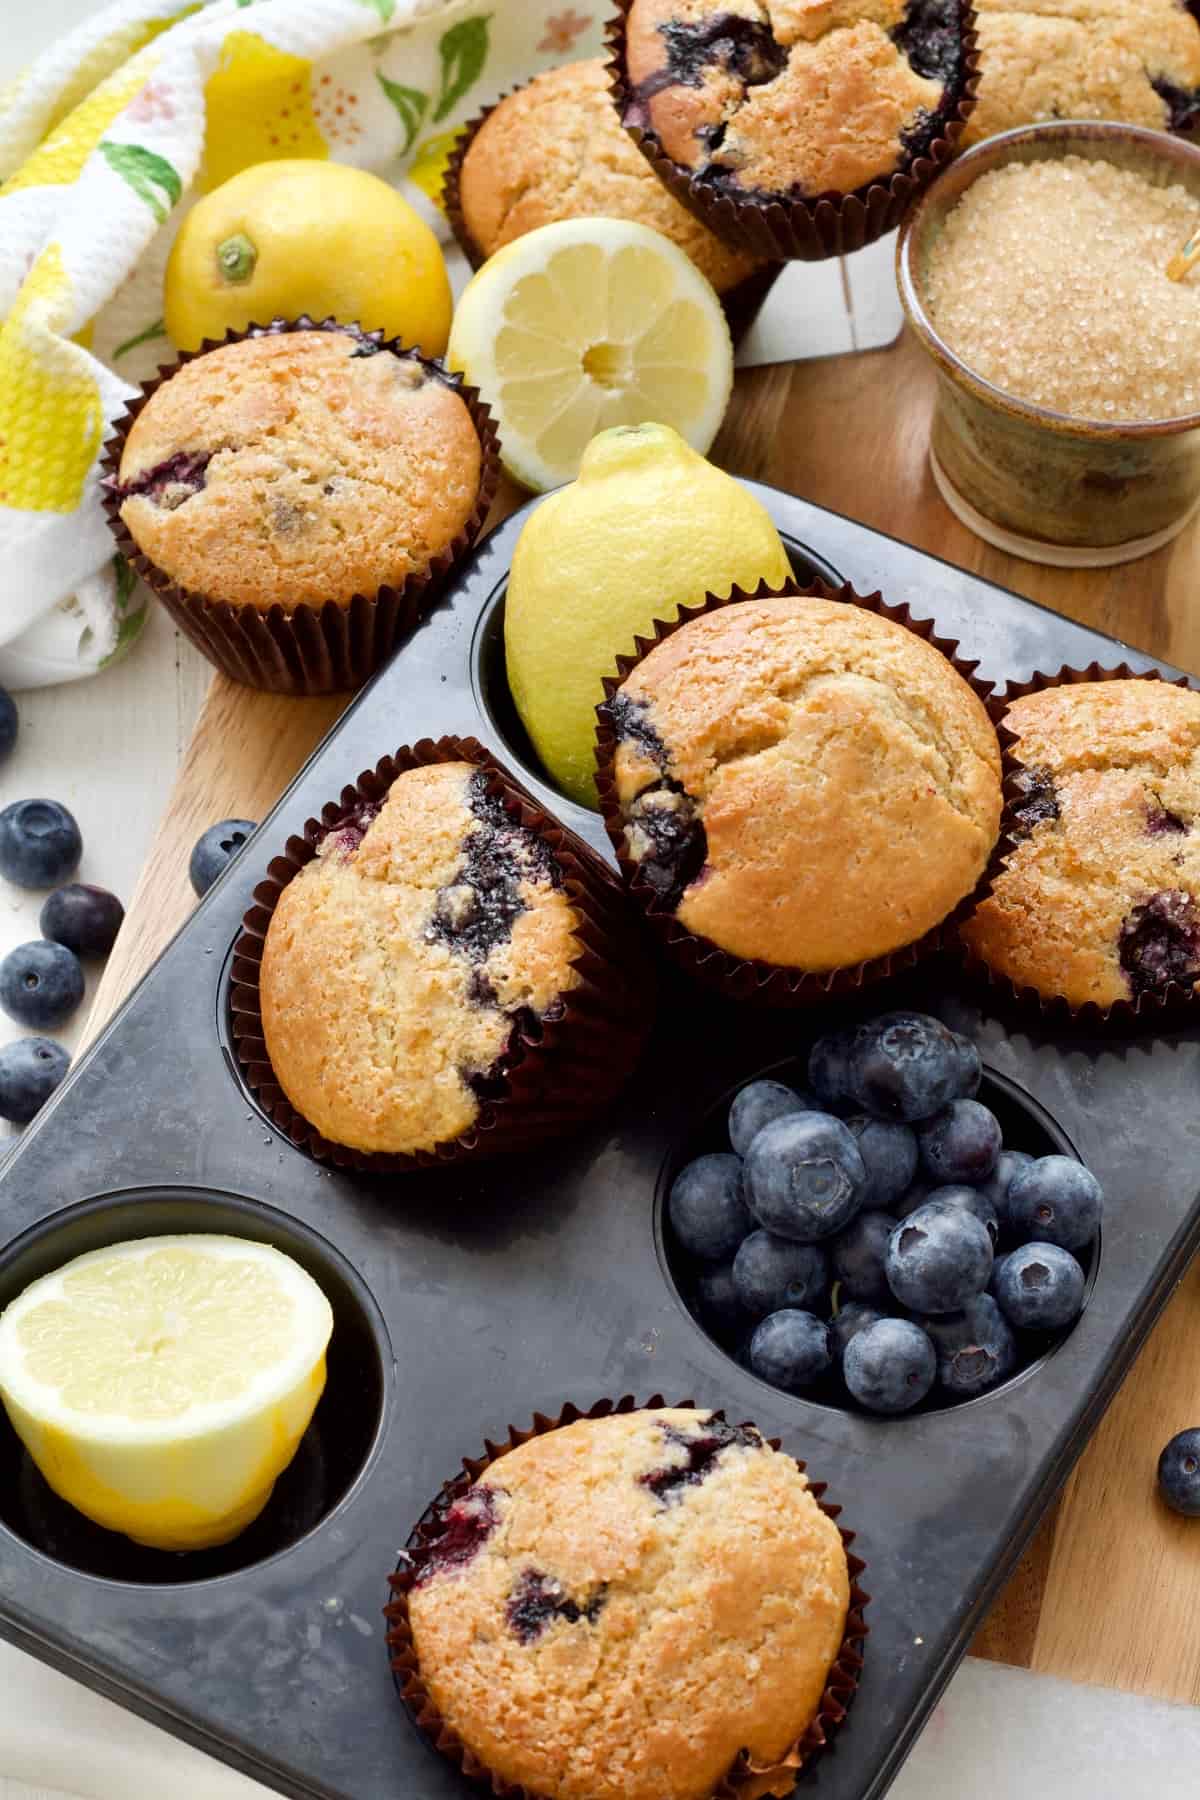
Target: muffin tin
470,1298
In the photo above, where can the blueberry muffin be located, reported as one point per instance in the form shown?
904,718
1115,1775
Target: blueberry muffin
615,1610
1100,901
296,468
401,963
1136,60
803,782
555,150
795,98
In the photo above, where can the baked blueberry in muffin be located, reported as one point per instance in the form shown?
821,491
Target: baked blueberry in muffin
803,782
1136,60
406,963
620,1607
1100,901
795,98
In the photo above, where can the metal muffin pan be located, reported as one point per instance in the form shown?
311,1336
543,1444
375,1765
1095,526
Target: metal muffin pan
469,1299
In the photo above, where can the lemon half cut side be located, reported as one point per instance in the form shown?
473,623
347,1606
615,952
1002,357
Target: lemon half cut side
163,1385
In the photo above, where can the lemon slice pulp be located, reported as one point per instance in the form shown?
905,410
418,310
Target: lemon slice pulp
586,324
162,1386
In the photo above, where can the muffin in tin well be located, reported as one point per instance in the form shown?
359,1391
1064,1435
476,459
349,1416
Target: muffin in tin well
399,963
1100,900
804,782
619,1608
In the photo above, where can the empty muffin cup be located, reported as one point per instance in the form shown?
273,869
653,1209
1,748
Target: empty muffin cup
310,646
745,1779
1073,492
551,1069
788,225
669,843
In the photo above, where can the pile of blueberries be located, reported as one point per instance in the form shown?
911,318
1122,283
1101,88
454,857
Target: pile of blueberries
870,1237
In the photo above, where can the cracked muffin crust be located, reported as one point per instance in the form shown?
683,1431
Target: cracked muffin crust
796,98
555,150
616,1609
1135,60
299,468
1100,901
400,963
803,782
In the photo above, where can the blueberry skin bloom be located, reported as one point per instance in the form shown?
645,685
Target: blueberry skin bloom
998,1185
905,1065
889,1150
707,1209
40,843
889,1367
30,1070
961,1144
805,1178
213,852
973,1200
846,1324
939,1258
1179,1474
1040,1288
975,1348
790,1349
771,1272
1056,1201
757,1105
41,984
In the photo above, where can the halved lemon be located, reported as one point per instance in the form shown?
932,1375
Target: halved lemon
586,324
162,1386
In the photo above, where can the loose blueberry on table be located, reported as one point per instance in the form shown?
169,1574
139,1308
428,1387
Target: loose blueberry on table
41,984
868,1240
40,843
30,1070
86,919
1179,1474
215,850
9,723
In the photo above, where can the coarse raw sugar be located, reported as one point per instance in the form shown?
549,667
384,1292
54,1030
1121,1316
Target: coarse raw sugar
1049,280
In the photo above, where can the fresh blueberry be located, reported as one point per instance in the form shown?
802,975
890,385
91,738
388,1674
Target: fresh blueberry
847,1322
858,1254
717,1301
1179,1474
707,1209
1040,1288
916,1197
938,1258
40,843
41,984
829,1068
214,852
85,919
889,1151
889,1367
757,1105
8,723
1009,1164
790,1349
970,1067
975,1348
994,1280
960,1144
804,1176
30,1070
904,1065
771,1272
1056,1201
974,1200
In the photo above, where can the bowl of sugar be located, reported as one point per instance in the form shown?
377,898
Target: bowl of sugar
1034,274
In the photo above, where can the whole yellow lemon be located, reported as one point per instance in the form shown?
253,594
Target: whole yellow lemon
649,526
302,236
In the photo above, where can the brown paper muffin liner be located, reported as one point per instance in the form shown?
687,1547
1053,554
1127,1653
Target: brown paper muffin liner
799,230
746,1780
744,979
1147,1010
742,303
312,649
560,1070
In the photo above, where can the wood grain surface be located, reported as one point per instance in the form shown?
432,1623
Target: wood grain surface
1110,1590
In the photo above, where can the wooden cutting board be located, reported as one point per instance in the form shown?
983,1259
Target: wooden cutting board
1109,1592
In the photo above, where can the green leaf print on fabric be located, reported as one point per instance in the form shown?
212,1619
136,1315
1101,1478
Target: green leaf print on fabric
157,330
410,103
145,171
464,50
385,8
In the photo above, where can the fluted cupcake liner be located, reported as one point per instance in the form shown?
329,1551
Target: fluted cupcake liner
797,229
1147,1010
311,649
745,979
746,1780
558,1074
741,304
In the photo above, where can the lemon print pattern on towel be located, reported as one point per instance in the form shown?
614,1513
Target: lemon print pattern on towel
258,107
51,417
59,159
